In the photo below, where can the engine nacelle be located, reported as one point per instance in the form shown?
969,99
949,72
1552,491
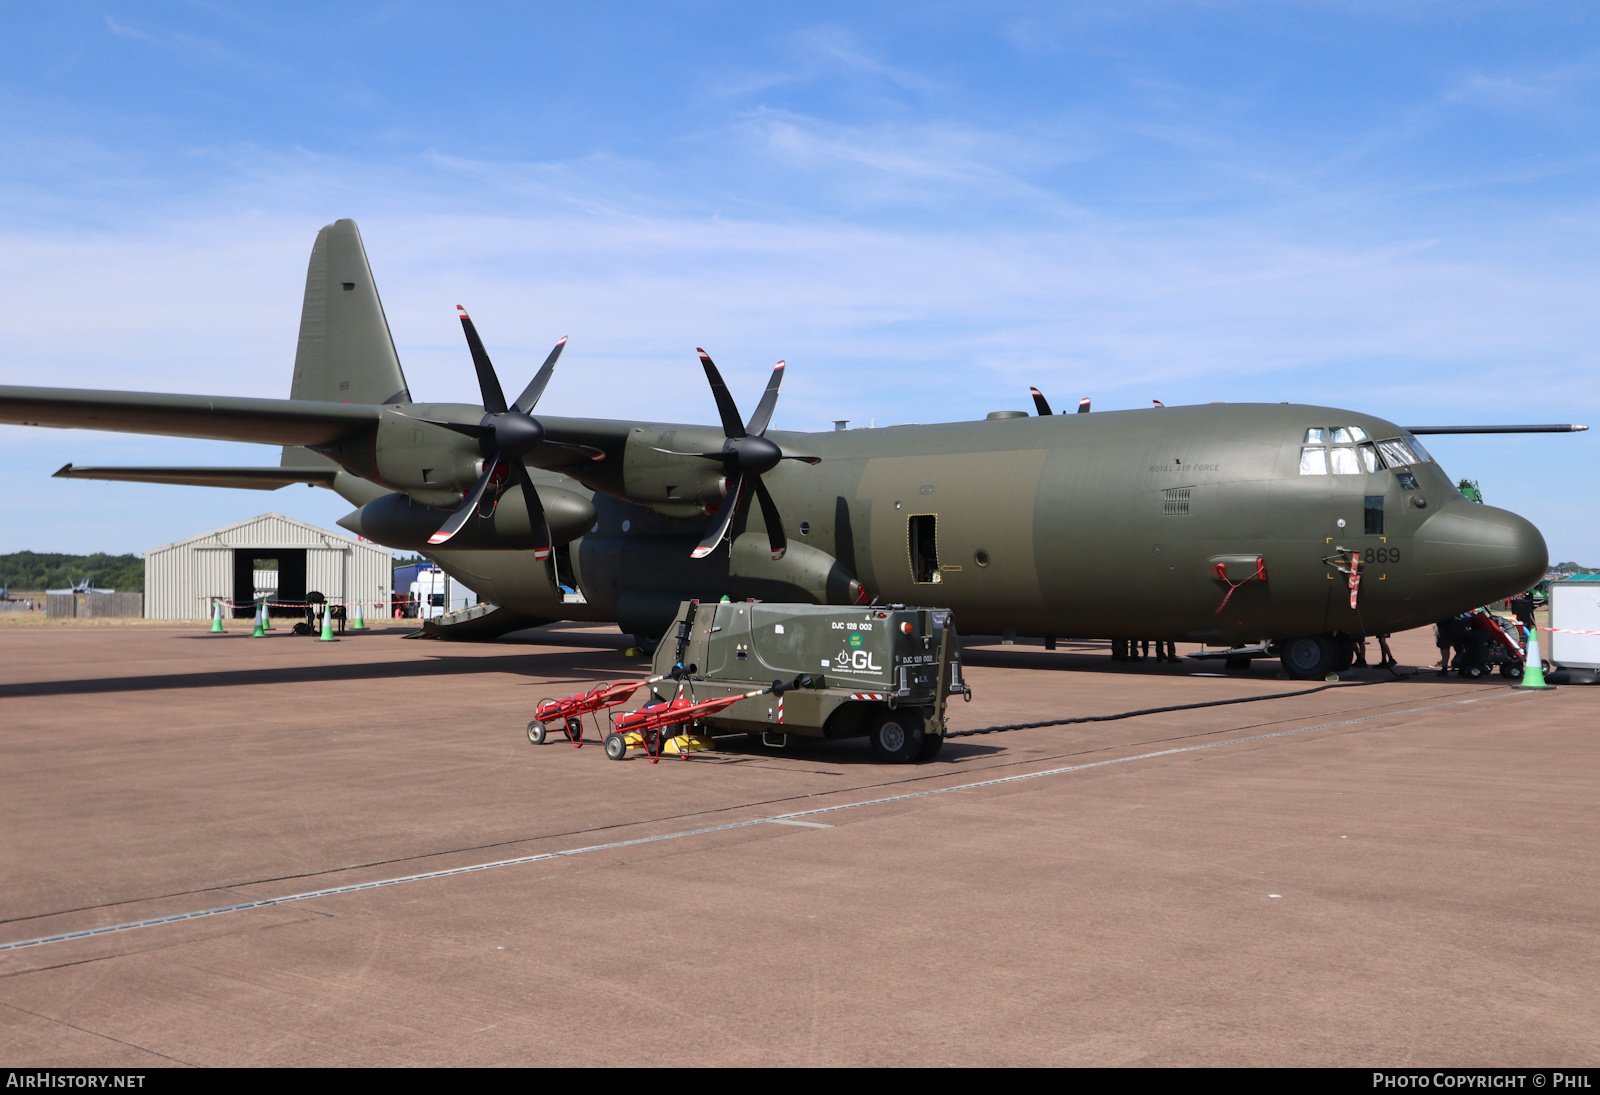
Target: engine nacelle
398,521
674,486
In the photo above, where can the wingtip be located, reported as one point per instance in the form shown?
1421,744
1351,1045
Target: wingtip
65,468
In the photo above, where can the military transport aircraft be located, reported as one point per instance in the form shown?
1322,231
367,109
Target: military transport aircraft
1296,526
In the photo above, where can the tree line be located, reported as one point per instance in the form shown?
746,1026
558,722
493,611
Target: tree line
38,570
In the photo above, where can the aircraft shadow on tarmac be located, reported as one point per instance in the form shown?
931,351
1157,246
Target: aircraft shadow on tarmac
557,670
1091,660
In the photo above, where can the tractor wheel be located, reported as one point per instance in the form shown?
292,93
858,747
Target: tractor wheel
897,736
931,744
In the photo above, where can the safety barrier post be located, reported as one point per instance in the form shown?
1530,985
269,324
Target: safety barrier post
327,625
216,617
360,622
1532,667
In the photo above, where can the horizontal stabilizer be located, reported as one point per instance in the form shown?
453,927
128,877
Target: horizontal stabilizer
1560,428
245,478
215,417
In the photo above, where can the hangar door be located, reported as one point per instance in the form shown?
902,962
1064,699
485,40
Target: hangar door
291,578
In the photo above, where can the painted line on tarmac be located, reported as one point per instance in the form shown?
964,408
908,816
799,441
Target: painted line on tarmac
795,818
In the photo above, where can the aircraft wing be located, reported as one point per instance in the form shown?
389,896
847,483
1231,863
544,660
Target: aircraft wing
269,478
217,417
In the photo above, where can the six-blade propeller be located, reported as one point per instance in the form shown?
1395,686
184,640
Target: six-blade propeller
746,455
506,434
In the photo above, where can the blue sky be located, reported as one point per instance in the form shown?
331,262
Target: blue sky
924,208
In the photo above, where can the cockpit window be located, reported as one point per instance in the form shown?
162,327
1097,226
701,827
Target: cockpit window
1396,453
1350,452
1422,453
1343,461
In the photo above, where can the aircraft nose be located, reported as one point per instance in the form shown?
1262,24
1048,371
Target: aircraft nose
1481,552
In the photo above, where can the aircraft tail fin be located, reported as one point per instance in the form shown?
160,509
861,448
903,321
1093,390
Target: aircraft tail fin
346,353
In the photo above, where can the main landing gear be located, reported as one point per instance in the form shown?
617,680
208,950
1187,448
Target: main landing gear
1313,657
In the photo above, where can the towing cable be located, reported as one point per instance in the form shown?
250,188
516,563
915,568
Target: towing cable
1159,710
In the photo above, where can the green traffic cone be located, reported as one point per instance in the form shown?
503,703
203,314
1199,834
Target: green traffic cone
327,626
216,617
266,615
360,622
258,631
1532,667
725,599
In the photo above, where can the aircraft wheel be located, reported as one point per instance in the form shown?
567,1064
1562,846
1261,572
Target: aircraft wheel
536,732
897,737
1347,654
616,746
931,744
1311,658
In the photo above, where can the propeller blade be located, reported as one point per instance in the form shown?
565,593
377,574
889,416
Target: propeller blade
471,429
805,459
457,520
1083,405
732,424
703,455
530,395
769,399
769,510
494,400
719,527
588,452
530,494
1041,404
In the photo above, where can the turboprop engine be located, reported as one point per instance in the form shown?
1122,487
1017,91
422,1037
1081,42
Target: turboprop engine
401,522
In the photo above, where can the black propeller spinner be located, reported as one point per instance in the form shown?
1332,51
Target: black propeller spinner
506,434
745,455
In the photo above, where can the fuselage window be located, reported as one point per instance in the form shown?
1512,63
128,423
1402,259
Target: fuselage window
1369,458
1373,510
1343,461
1316,435
924,544
1396,453
1313,460
1341,436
